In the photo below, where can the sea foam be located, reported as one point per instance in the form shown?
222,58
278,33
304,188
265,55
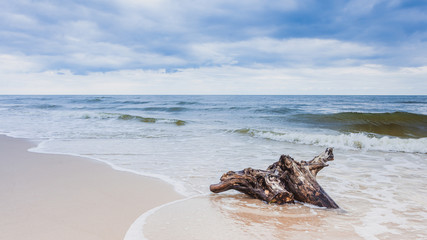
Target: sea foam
344,140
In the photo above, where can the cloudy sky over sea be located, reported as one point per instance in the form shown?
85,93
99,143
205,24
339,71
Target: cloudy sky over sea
213,47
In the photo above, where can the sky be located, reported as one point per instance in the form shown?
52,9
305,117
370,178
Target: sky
213,47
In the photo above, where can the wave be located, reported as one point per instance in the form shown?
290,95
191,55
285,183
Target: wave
278,110
398,124
133,102
239,108
139,118
88,99
46,106
165,109
355,141
412,102
128,117
187,103
151,120
95,100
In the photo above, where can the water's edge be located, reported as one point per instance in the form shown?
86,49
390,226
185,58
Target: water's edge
135,229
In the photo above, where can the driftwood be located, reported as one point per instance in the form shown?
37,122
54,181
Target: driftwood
283,182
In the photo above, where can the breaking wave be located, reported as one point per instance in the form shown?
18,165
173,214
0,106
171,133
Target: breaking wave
128,117
354,141
398,124
151,120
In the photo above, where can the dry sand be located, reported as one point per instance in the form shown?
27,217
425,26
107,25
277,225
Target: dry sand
50,196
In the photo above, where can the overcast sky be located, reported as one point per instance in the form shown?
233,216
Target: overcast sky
213,47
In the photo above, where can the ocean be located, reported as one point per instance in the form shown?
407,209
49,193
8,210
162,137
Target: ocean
380,144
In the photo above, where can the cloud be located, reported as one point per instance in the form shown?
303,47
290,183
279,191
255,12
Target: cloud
205,41
283,52
18,64
366,79
18,21
80,55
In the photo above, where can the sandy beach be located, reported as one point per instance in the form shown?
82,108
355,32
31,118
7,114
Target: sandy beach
50,196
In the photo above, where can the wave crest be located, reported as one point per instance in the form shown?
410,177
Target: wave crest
150,120
354,141
398,124
128,117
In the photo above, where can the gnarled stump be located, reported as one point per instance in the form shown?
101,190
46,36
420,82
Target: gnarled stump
283,182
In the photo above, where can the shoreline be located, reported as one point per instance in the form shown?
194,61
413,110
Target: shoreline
58,196
178,187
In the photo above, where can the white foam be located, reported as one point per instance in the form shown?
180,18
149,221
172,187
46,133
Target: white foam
349,141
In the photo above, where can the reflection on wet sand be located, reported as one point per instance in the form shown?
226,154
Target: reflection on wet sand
234,216
284,221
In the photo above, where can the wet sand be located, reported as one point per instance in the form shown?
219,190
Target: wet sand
376,203
211,217
50,196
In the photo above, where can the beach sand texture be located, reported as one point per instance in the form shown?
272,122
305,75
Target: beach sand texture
50,196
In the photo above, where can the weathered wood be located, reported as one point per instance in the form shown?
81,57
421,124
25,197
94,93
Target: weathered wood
283,182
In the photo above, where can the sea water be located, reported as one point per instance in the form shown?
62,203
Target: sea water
380,144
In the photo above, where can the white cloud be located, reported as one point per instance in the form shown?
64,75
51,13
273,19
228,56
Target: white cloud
367,79
218,46
19,64
18,21
295,51
189,17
